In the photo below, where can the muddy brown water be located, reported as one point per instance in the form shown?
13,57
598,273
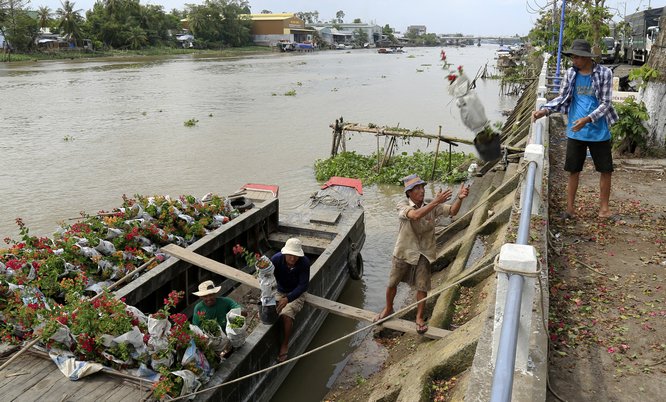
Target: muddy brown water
77,135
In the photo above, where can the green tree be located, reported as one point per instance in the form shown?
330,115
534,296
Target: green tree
220,22
340,17
359,37
18,28
44,14
357,21
309,17
69,20
136,38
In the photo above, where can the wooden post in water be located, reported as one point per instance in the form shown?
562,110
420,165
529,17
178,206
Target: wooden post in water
434,164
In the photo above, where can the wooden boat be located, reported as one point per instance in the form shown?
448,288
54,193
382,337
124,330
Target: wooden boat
331,227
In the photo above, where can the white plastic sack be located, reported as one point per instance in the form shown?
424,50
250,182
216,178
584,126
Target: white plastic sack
190,382
193,358
72,368
472,112
105,247
236,335
159,331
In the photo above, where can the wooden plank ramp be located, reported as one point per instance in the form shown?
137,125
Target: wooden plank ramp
316,301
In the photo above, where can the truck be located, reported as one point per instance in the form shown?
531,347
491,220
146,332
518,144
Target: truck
644,26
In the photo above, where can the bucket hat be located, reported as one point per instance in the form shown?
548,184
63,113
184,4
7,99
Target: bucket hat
293,246
412,181
580,47
207,288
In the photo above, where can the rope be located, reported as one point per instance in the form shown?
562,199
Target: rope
507,270
363,329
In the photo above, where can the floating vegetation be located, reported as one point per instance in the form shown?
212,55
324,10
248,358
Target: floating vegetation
290,93
144,113
300,84
419,71
364,167
273,94
191,122
210,115
68,138
302,63
383,76
334,90
426,65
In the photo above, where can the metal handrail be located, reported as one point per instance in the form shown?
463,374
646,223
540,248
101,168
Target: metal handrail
506,352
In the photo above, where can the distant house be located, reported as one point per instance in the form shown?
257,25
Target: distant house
2,41
345,32
270,29
333,36
417,29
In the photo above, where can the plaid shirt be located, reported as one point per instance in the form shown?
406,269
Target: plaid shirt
602,82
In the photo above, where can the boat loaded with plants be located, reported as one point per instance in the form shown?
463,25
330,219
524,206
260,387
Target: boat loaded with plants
100,296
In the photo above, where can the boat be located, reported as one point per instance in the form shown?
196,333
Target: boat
330,224
390,50
342,46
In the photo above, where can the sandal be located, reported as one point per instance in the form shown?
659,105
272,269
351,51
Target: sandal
421,328
282,357
565,216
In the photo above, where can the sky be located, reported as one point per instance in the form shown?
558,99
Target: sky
469,17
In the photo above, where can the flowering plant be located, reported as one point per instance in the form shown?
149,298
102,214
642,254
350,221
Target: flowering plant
251,259
174,297
454,75
168,385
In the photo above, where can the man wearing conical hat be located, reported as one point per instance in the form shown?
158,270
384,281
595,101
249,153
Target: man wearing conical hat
415,247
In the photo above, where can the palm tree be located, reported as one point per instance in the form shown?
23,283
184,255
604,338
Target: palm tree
69,19
44,14
136,38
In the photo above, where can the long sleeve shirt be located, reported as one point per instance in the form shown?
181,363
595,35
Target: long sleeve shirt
602,83
292,282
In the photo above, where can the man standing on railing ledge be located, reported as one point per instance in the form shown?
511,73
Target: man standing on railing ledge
585,96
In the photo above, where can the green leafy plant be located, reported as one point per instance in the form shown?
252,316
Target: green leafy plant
290,93
643,74
191,122
629,132
237,322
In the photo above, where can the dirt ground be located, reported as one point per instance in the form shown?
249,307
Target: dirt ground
607,285
607,319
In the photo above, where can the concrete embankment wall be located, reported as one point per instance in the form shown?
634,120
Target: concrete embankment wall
489,221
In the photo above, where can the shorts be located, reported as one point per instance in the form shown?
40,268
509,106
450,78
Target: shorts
415,275
577,152
293,307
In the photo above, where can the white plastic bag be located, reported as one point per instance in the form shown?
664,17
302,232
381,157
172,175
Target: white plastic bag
236,335
195,361
190,382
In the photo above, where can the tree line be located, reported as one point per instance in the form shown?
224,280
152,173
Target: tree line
127,24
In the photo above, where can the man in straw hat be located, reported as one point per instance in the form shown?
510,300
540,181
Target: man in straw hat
415,247
212,307
292,274
585,96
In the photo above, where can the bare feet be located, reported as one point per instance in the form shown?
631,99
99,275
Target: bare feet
384,313
605,214
283,354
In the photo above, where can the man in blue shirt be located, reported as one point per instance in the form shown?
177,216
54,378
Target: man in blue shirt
292,274
585,96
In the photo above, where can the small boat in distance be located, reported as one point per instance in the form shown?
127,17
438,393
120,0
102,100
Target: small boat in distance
390,50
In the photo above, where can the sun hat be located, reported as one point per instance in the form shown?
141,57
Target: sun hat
207,288
412,181
580,47
293,247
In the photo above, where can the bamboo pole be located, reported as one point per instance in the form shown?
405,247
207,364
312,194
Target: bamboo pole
33,342
434,164
406,133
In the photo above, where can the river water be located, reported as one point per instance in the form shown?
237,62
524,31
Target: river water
77,135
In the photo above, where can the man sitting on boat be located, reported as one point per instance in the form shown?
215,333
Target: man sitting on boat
213,307
415,247
292,274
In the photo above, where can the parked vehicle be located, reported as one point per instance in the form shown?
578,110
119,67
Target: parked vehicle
644,29
608,50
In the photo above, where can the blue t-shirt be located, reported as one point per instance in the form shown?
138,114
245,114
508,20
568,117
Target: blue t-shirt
583,103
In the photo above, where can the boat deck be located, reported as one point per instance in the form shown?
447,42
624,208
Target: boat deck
36,378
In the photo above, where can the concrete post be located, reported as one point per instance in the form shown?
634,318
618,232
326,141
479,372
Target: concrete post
534,153
518,259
